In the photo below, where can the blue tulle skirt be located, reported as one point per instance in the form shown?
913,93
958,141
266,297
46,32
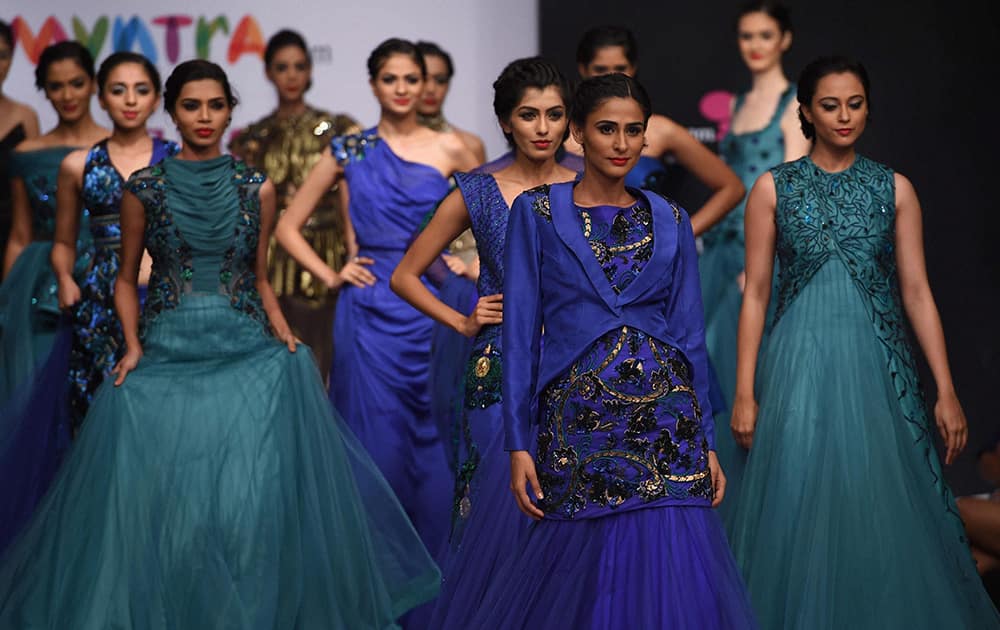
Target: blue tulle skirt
215,488
667,568
841,523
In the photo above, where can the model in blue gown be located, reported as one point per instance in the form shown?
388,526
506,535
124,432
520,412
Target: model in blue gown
381,360
845,520
29,305
623,429
721,263
215,488
97,336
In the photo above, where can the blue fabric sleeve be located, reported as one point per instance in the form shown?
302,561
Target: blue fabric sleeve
522,324
686,318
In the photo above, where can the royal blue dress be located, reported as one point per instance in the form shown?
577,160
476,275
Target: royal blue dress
97,337
29,302
381,359
486,524
215,488
845,520
749,154
617,402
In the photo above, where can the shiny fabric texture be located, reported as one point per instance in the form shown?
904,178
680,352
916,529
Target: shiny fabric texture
216,488
750,155
843,442
381,360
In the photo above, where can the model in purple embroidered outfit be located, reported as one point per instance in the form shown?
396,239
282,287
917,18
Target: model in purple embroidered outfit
396,173
530,102
625,475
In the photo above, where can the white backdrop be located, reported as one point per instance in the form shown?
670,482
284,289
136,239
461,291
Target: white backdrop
481,38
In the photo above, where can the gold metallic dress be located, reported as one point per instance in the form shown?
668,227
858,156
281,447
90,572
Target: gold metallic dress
286,149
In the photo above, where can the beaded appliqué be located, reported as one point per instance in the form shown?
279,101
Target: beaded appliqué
540,203
237,274
352,148
624,423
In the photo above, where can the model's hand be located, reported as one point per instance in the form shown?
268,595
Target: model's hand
456,264
127,364
356,273
522,473
952,425
286,336
743,421
69,292
489,310
718,479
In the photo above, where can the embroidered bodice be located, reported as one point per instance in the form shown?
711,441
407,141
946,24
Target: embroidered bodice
202,249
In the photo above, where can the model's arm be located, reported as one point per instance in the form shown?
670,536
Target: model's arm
727,189
450,220
475,145
20,225
324,174
760,235
68,206
918,301
796,144
133,223
279,326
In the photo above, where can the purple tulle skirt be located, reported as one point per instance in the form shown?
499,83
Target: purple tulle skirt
649,568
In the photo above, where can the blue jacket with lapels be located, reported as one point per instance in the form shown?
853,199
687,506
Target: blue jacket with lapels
554,283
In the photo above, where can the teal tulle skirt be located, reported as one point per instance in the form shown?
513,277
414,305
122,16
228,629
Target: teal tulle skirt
215,488
839,522
29,317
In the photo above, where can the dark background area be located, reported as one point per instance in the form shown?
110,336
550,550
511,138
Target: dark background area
933,67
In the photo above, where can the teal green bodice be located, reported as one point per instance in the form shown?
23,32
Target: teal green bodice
202,231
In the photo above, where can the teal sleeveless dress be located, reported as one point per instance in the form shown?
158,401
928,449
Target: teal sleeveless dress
215,488
844,520
721,262
29,301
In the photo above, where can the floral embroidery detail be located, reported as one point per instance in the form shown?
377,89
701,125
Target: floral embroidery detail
540,203
237,274
622,242
623,424
851,215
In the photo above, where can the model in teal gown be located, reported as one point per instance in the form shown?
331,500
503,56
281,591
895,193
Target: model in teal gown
749,154
845,520
29,303
215,488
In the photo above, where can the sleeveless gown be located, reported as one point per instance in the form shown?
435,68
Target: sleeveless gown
381,359
215,488
29,303
749,154
621,545
38,422
845,520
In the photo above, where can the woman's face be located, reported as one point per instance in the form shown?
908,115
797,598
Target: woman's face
435,87
606,60
69,88
398,84
129,96
761,41
290,73
839,110
6,55
201,113
538,123
612,137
